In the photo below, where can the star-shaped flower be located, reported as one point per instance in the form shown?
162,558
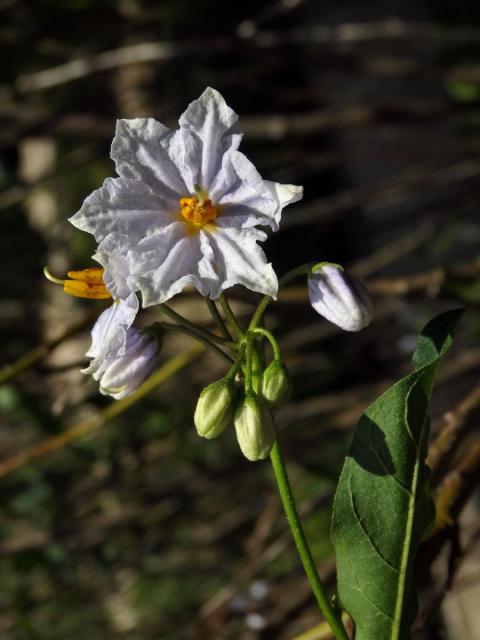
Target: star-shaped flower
184,209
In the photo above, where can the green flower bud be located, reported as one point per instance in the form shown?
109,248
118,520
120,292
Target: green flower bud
254,427
215,408
276,387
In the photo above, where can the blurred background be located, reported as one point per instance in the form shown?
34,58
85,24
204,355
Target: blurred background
118,522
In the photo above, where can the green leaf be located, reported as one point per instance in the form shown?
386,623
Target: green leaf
383,507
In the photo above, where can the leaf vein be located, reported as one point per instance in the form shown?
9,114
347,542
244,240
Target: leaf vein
367,533
381,461
373,603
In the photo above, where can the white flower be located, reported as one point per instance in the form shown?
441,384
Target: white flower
339,297
184,209
122,358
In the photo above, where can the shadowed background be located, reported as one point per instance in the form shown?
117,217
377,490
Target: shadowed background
141,530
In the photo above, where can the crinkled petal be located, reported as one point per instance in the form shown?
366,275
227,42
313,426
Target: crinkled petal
159,266
242,193
123,206
238,259
109,334
141,152
169,261
214,124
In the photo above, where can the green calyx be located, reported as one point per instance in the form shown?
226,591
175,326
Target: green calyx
319,266
254,428
215,408
275,388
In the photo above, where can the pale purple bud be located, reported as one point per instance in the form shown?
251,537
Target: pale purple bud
339,297
121,375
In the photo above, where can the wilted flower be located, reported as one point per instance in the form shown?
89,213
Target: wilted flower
87,283
339,297
122,358
184,209
254,428
215,408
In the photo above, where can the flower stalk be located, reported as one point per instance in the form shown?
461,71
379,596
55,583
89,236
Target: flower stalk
218,319
288,501
235,326
167,326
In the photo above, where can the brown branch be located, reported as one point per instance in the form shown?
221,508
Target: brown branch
457,487
87,426
430,281
11,370
452,424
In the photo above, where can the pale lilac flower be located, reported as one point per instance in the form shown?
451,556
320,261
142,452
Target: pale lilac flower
127,372
184,209
339,297
122,358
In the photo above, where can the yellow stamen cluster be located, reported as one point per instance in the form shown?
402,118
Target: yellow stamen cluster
198,211
87,283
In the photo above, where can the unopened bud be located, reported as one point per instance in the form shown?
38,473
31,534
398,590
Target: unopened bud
215,408
276,387
120,376
254,428
339,297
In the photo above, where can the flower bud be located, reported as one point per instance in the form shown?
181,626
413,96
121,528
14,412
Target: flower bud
339,297
215,408
122,375
276,387
254,428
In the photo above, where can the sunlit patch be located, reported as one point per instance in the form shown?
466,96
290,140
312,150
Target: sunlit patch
87,283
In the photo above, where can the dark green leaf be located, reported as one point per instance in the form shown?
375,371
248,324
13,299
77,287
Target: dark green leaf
383,507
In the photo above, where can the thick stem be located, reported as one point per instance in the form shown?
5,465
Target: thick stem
301,543
231,319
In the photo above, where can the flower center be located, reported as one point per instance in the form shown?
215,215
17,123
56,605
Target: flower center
198,210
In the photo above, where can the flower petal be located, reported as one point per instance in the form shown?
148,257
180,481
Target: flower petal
123,206
214,123
126,373
140,150
242,193
238,259
109,334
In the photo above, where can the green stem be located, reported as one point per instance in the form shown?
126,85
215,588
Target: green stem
207,335
303,269
248,363
301,543
218,319
231,319
271,339
196,336
259,311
